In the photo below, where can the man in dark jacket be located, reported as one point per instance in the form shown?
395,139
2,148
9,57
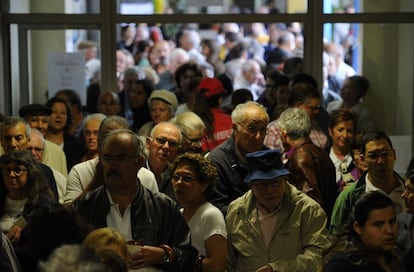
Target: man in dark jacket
124,204
249,129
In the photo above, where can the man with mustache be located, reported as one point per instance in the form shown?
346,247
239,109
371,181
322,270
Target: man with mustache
87,175
379,156
123,204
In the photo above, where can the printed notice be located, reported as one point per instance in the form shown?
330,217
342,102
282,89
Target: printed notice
67,71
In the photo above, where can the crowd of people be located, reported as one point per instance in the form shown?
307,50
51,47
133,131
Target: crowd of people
208,157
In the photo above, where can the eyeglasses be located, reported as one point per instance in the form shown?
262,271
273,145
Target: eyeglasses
373,156
18,171
107,159
37,149
194,141
162,141
273,184
253,129
185,178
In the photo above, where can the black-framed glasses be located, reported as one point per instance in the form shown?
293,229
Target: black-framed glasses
185,178
108,159
193,141
163,141
18,171
373,156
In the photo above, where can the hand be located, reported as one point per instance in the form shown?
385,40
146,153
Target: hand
266,268
14,234
148,256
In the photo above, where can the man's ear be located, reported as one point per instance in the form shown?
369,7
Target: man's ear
234,126
140,161
148,141
357,228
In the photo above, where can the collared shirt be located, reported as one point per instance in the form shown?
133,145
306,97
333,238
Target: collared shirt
339,163
318,138
395,195
117,221
272,138
268,223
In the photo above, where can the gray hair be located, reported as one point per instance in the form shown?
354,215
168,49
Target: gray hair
35,131
94,116
238,115
193,37
12,121
249,64
68,258
188,121
135,71
296,122
166,123
115,96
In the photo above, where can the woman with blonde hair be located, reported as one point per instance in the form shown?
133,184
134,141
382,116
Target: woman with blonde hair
102,239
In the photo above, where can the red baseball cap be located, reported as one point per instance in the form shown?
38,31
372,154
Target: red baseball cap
212,86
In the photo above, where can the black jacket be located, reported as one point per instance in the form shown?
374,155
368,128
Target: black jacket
231,173
155,218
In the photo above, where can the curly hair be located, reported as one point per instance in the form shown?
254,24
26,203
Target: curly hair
204,169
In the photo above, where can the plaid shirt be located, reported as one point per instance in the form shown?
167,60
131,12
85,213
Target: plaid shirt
273,140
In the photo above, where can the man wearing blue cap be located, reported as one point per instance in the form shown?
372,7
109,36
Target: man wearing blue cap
274,226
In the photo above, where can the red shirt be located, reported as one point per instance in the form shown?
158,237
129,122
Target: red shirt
222,130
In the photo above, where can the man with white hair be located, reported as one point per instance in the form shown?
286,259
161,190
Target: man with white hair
190,42
251,78
36,145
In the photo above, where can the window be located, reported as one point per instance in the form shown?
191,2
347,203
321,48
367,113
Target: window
381,38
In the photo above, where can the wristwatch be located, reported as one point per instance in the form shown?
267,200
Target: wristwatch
168,254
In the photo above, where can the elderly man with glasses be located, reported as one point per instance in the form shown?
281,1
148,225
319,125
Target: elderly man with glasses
249,121
163,146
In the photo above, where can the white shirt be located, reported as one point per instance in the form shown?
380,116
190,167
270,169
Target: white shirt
395,195
206,222
338,163
117,221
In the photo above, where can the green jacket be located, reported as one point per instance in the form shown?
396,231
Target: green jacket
345,203
299,237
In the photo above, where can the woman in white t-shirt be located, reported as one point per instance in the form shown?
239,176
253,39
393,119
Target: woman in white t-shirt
193,178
